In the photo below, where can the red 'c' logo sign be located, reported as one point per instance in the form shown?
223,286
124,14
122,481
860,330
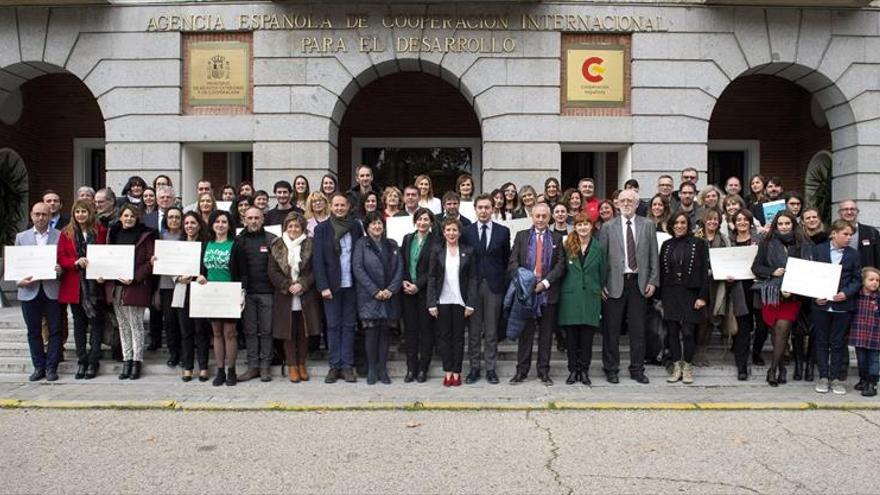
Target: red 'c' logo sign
594,63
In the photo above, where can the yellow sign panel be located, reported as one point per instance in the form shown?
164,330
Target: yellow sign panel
219,73
595,77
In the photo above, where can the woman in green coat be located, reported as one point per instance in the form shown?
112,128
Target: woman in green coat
580,302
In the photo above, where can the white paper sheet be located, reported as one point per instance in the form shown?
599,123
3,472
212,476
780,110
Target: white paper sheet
215,300
177,258
110,262
811,278
20,262
515,226
661,238
466,209
733,262
397,227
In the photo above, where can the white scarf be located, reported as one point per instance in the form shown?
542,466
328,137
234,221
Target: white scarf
294,251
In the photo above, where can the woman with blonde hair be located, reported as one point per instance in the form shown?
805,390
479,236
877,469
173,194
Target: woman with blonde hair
317,211
426,194
710,197
391,199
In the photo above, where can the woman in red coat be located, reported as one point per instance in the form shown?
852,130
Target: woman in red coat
131,297
84,296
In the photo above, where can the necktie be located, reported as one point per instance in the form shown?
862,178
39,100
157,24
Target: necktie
483,237
630,247
539,254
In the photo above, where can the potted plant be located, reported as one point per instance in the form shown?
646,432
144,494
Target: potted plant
13,198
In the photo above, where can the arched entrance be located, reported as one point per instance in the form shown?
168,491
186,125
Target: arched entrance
410,123
768,125
55,124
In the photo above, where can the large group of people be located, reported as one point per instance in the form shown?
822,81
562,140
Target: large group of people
584,266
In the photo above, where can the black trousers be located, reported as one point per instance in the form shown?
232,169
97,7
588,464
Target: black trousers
171,323
761,332
94,327
655,333
544,326
418,332
450,336
682,333
631,306
580,347
195,340
742,339
376,343
156,323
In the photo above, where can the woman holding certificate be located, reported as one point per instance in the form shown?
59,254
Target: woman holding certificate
743,236
684,290
193,331
80,293
131,297
296,310
780,309
217,266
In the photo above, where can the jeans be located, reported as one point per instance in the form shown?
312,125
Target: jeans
341,312
33,312
869,362
829,332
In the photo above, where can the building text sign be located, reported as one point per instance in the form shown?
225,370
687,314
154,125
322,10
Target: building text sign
219,73
595,75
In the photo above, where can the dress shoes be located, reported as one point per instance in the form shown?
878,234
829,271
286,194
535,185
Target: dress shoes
572,378
447,381
135,370
231,377
293,374
303,372
384,378
203,375
742,373
187,376
91,371
612,377
348,375
51,374
456,380
38,374
332,376
472,377
545,378
250,374
585,379
518,378
81,372
640,377
265,375
422,377
492,377
409,378
126,370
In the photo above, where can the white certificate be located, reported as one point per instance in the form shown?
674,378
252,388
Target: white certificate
733,262
397,227
110,262
516,225
21,262
661,238
811,278
466,209
215,300
224,205
177,258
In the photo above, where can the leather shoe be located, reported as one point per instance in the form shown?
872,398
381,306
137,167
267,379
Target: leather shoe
612,377
172,363
422,377
409,377
572,378
585,379
81,373
545,379
332,376
51,375
38,374
250,374
473,376
492,377
518,377
92,371
348,375
640,377
265,375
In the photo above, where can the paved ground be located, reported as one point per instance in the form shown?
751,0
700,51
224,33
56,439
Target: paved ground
414,452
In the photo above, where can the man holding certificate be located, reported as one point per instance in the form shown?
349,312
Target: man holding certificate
39,298
831,318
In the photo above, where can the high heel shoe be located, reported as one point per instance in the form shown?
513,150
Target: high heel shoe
783,376
771,377
187,376
203,375
81,372
447,381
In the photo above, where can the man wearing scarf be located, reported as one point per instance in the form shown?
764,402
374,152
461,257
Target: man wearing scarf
334,241
539,250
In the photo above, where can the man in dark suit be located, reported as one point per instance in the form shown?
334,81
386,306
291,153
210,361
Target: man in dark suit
831,318
865,238
451,202
491,243
633,276
540,251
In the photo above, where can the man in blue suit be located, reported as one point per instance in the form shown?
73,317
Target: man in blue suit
39,298
831,318
491,243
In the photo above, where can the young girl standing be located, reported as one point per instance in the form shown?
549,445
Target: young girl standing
865,332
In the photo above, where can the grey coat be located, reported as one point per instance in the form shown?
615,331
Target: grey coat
50,287
375,269
612,241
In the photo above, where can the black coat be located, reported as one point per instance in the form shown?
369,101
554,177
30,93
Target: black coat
519,257
467,274
869,245
491,262
682,284
252,253
423,265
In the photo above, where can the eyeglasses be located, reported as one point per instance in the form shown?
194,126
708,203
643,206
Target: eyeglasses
848,209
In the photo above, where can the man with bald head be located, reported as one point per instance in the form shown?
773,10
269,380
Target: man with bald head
251,254
39,299
538,250
865,239
632,277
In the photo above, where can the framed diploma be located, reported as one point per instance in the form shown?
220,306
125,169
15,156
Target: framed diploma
215,300
177,258
733,262
20,262
110,262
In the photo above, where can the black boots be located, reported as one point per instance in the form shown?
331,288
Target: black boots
80,372
220,378
863,379
742,372
126,370
91,371
135,370
231,377
870,389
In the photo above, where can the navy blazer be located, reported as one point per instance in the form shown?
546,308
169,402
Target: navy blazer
325,261
491,262
850,275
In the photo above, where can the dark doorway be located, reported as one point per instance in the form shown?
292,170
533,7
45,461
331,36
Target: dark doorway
726,164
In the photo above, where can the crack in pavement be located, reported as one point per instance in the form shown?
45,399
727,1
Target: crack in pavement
807,435
796,483
864,418
554,454
674,480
